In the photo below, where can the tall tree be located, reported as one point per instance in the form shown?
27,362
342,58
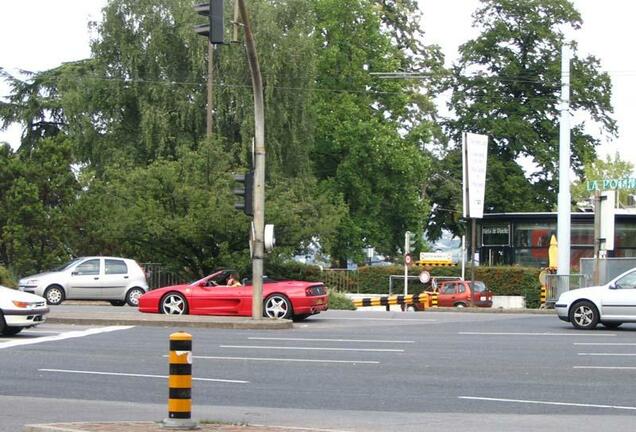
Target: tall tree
507,85
599,169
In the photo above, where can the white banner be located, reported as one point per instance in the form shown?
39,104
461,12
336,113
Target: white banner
474,157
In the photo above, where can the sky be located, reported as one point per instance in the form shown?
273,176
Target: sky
41,34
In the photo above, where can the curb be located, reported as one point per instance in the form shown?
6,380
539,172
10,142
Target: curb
164,321
138,426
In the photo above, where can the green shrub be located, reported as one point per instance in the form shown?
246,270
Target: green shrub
7,279
338,300
504,281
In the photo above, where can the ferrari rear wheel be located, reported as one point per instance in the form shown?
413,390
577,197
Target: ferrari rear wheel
174,304
277,306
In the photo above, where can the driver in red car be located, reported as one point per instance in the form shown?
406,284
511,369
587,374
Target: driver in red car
233,280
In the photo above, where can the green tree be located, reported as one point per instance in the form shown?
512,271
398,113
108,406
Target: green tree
34,234
599,169
506,85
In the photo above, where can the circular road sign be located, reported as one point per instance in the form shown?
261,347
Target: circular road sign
407,259
425,277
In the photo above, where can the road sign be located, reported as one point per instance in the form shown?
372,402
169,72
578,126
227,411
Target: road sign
407,259
425,277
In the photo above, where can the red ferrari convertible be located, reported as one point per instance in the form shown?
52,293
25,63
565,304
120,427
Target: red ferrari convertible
215,295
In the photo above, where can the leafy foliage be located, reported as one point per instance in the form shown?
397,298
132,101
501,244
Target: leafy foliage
506,85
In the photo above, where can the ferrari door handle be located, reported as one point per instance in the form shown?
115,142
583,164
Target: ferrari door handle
125,277
96,278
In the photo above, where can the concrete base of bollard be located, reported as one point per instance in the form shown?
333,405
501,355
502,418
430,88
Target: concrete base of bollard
179,424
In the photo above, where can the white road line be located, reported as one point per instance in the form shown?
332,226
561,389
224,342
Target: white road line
608,354
62,336
379,319
309,348
534,402
533,334
300,428
138,375
606,367
333,340
286,359
605,343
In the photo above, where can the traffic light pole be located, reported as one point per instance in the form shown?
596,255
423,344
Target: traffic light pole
259,167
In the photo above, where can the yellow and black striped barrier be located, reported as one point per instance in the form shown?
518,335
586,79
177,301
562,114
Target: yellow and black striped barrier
434,299
543,295
180,383
423,299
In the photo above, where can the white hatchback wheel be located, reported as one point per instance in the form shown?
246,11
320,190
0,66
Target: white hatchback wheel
132,297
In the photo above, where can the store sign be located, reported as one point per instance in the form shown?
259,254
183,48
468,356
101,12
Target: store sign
474,157
498,235
611,184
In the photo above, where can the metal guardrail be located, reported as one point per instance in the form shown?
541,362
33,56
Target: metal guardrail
158,277
556,284
342,280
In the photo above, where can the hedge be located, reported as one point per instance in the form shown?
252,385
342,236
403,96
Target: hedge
504,281
7,279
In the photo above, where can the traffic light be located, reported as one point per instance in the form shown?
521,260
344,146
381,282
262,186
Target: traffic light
213,9
409,242
245,192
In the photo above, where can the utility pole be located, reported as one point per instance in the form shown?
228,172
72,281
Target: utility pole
259,167
210,90
563,225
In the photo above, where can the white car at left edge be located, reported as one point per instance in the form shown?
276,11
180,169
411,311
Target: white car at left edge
611,304
20,310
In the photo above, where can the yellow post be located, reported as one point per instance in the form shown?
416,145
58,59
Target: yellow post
180,383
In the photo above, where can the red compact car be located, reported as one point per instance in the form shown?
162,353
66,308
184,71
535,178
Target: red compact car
460,293
221,294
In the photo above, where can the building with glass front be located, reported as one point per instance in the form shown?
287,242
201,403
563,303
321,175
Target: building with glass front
523,238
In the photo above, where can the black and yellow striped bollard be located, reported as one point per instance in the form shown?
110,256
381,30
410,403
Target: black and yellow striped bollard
180,383
434,302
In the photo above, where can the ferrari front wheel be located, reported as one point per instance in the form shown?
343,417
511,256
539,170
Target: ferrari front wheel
277,306
174,304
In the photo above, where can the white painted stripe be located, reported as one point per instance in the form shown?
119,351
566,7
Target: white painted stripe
605,343
534,334
62,336
309,348
299,428
608,354
138,375
286,360
415,320
333,340
606,367
534,402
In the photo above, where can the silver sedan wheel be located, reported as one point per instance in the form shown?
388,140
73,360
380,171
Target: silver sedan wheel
278,307
584,315
174,304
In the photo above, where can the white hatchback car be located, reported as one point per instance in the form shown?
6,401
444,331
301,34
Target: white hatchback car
20,310
118,280
611,304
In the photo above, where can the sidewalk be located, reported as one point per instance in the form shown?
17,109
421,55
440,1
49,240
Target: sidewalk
150,427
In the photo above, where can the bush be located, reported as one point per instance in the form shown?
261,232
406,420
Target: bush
338,300
504,281
7,279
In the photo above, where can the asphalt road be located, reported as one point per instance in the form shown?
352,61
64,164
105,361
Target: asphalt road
346,371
